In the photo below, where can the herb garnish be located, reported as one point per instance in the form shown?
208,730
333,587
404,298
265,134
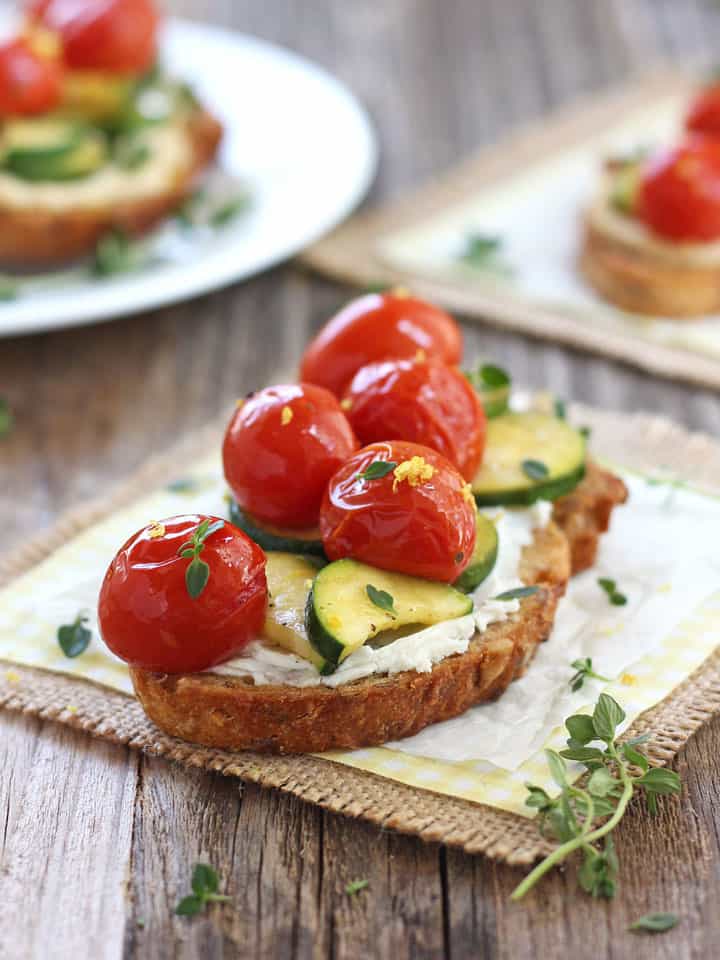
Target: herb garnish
534,469
584,672
204,885
198,572
381,598
517,593
377,470
355,886
115,253
655,922
9,290
229,210
480,248
616,598
74,638
182,485
488,376
560,409
6,418
572,816
131,154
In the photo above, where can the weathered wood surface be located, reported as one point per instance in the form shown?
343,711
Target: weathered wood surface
97,843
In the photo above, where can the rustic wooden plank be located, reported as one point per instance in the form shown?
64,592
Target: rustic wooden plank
66,810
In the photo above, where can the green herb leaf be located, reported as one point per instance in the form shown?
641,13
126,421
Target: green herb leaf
377,470
182,485
196,577
601,783
614,596
607,715
130,154
557,767
586,755
534,469
517,593
74,638
584,671
660,780
585,432
9,289
655,922
6,418
493,376
204,885
227,211
479,249
355,886
381,598
115,253
560,410
189,906
581,727
635,757
204,879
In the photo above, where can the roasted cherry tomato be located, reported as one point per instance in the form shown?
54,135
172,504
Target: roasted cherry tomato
281,447
119,36
147,613
704,113
29,84
379,326
424,401
402,507
679,195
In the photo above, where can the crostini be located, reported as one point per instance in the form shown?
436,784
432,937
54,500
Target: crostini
94,137
355,594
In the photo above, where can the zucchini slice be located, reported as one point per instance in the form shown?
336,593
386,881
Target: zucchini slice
483,558
529,456
289,579
340,616
276,538
52,150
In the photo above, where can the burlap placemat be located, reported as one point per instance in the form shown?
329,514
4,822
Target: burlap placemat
350,253
638,441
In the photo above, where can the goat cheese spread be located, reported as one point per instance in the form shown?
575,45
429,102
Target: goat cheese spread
417,651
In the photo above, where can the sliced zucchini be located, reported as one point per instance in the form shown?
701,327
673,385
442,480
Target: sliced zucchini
528,457
52,150
96,96
276,538
340,616
289,579
625,187
483,558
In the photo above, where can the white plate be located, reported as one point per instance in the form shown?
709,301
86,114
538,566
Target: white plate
294,134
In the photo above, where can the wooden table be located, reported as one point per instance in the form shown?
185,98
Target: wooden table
97,842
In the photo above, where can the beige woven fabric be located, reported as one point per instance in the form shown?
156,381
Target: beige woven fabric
637,441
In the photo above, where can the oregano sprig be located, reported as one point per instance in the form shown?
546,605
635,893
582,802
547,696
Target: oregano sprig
198,571
74,638
377,470
582,818
584,671
204,886
616,598
381,598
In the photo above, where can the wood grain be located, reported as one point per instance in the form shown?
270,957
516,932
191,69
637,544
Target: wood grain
97,844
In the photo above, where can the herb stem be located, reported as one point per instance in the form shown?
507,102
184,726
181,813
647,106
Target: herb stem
584,839
217,897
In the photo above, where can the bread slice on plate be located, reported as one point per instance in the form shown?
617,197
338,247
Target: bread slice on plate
232,713
641,273
45,224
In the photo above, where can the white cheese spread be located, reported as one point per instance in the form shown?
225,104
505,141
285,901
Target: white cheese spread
417,651
170,156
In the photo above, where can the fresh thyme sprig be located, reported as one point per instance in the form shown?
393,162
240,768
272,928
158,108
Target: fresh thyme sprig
616,598
198,572
573,816
204,885
355,886
584,671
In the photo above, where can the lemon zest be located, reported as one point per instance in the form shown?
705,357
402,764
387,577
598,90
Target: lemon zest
156,530
346,404
415,471
467,493
286,416
628,679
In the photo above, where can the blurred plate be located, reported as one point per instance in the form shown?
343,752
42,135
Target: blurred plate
295,136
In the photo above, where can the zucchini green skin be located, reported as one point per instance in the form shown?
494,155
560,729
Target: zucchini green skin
85,152
484,556
526,497
321,638
286,543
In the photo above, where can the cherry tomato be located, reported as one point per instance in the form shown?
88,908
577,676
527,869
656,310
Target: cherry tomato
29,84
423,401
419,518
147,615
281,447
115,35
379,326
704,113
679,195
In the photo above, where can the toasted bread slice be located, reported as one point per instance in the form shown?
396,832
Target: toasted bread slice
233,713
640,273
51,224
584,514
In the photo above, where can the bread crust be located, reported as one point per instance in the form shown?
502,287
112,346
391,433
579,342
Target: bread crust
232,713
37,238
639,281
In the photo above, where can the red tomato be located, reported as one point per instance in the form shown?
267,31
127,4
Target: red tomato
679,194
29,84
281,447
379,326
147,616
115,35
423,401
418,519
704,113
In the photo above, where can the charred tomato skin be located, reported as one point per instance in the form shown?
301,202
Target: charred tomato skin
281,447
147,616
424,528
